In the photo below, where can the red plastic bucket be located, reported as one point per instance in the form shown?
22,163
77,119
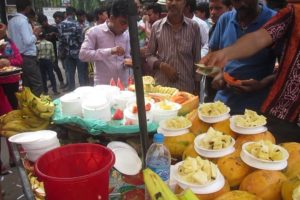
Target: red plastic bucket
76,171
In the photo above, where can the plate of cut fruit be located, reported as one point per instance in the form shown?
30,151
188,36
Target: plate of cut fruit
9,70
265,155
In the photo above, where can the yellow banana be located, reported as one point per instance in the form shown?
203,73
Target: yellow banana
12,115
156,187
33,121
187,195
16,125
46,115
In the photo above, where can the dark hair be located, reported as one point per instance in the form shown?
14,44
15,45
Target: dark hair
227,3
191,4
276,5
58,14
70,11
90,17
21,5
154,7
80,12
99,11
118,8
203,7
31,13
41,18
42,35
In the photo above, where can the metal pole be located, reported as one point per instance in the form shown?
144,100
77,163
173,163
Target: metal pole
137,71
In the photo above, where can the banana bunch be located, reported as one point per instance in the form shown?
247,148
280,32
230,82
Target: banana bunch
37,187
43,107
158,189
34,114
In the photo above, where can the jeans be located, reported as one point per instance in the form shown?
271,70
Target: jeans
46,67
82,70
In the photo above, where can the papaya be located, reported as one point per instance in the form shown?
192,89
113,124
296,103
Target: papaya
238,195
233,168
198,126
178,144
224,127
293,167
265,184
189,152
289,187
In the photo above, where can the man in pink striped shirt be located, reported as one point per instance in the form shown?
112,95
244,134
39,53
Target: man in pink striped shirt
174,47
108,45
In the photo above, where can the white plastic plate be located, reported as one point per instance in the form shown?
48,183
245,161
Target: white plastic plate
117,144
209,153
252,161
208,188
162,124
167,133
214,119
127,162
247,131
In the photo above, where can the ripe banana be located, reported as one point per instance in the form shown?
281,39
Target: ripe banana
157,189
12,115
187,195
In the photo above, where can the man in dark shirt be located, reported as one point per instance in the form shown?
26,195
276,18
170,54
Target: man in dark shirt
51,33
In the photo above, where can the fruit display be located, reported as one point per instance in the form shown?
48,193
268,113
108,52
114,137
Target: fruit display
265,150
197,171
215,140
213,109
249,119
34,114
293,168
265,184
158,189
37,187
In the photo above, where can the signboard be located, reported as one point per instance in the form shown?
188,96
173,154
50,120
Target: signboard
49,11
10,2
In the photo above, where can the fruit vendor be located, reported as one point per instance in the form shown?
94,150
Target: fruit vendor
173,48
248,16
283,102
108,45
9,56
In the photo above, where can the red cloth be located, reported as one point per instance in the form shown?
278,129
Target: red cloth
4,103
283,100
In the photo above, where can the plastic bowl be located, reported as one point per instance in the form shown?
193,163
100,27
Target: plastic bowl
134,118
214,119
160,114
33,155
212,153
98,108
71,104
120,100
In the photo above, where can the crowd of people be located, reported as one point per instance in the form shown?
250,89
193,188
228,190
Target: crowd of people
173,36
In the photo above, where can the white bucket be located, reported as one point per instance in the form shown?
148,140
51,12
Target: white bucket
71,104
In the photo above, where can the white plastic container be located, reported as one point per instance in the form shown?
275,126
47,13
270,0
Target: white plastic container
109,90
84,91
134,118
160,114
33,155
71,104
120,101
96,109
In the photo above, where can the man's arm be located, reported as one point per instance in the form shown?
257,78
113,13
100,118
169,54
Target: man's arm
88,51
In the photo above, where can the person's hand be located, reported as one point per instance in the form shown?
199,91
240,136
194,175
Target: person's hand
119,51
37,30
218,82
214,59
169,71
247,86
4,62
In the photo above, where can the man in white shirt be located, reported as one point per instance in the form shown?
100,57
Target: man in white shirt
20,31
204,29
